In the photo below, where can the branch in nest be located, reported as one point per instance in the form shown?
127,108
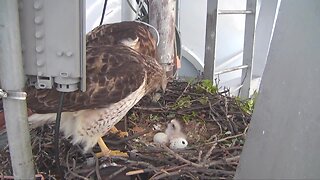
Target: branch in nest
223,161
177,156
117,172
166,174
173,171
71,172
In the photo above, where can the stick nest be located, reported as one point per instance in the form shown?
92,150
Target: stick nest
215,125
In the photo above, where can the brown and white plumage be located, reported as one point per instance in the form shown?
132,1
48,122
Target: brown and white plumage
121,69
113,72
117,78
129,33
108,34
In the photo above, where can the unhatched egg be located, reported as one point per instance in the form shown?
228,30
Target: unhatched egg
178,143
160,138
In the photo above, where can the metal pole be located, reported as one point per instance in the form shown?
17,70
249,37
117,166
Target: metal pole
283,137
248,46
162,16
227,12
12,81
231,69
211,33
263,35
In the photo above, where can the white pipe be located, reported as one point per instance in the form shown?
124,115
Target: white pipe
12,81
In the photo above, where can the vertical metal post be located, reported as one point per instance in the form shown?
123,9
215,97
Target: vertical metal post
211,33
12,80
283,137
264,29
162,16
248,48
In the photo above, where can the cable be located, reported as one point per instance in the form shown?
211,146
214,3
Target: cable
140,9
155,29
103,11
143,9
57,132
142,22
131,7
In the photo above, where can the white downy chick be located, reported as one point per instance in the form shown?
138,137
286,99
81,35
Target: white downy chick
176,137
174,129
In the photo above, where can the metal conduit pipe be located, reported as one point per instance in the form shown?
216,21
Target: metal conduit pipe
14,99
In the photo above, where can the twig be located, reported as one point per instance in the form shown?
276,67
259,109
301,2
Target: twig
209,171
190,109
177,156
227,160
184,91
136,163
97,167
70,171
167,171
212,116
148,108
117,172
227,138
164,175
150,158
199,156
135,172
205,159
225,111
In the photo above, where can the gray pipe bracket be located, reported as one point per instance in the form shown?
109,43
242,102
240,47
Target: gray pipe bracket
17,95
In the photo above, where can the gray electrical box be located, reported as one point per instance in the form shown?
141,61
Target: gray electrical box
53,43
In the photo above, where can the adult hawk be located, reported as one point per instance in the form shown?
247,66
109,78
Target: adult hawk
129,33
117,76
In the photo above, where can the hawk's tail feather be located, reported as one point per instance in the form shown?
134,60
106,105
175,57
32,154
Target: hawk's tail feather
37,120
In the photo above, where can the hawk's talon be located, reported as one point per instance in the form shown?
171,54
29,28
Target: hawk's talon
112,153
120,133
105,151
123,134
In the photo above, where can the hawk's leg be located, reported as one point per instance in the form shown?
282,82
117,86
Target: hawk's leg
105,151
120,133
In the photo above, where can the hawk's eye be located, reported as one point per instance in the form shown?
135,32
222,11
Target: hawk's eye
183,142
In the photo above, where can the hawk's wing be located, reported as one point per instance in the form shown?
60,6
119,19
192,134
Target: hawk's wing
113,72
130,33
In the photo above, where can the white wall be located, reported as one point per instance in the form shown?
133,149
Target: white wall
229,36
94,11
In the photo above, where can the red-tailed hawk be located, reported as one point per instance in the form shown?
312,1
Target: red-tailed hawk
118,76
129,33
